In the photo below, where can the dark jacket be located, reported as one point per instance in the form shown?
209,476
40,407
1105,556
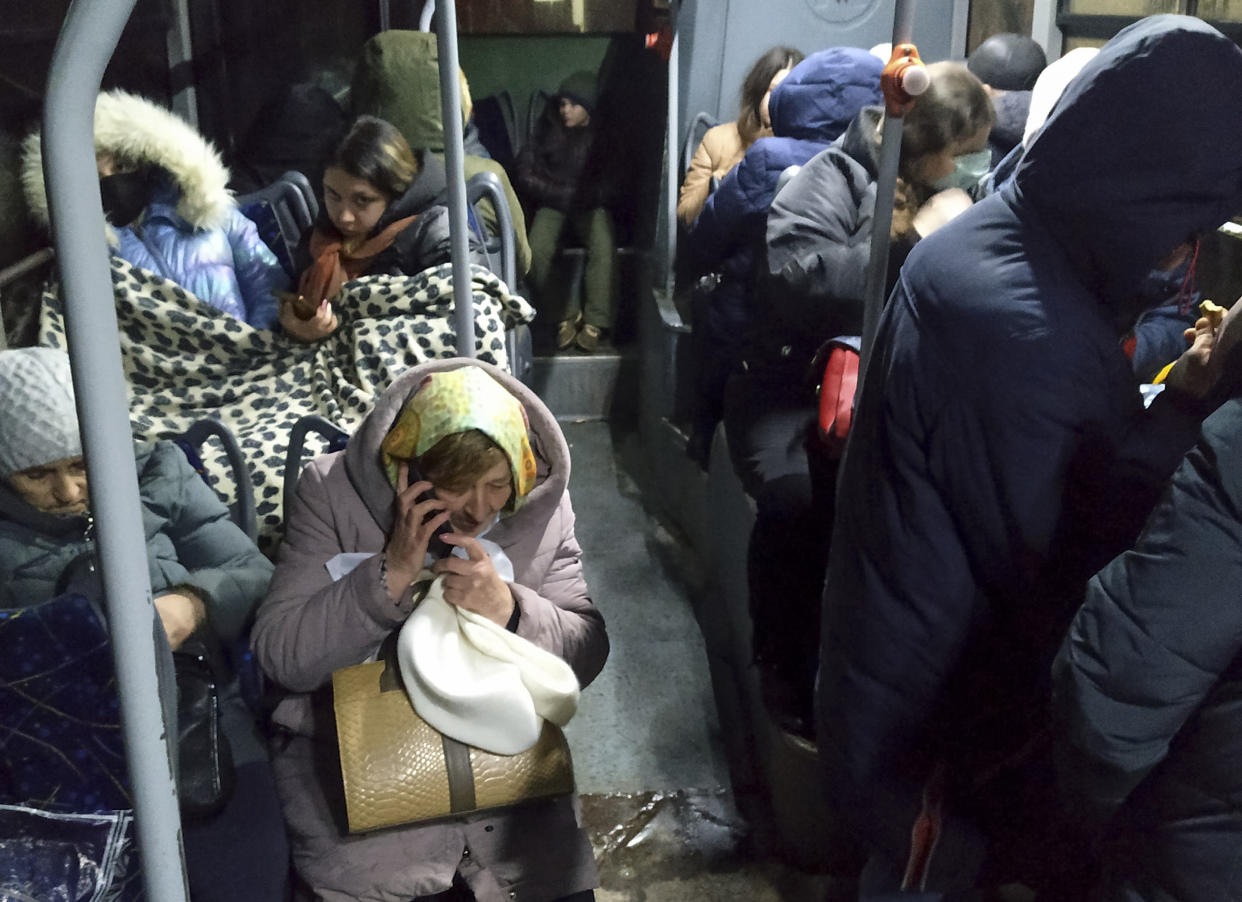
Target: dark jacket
1147,686
422,244
812,286
1000,451
562,168
191,541
809,110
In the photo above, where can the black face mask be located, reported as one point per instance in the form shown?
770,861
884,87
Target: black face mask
125,195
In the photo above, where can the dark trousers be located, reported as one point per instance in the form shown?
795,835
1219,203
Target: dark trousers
776,453
241,854
459,892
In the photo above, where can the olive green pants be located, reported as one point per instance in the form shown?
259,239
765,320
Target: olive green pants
593,229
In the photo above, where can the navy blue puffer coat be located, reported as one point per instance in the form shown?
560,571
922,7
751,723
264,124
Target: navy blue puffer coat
809,110
1001,452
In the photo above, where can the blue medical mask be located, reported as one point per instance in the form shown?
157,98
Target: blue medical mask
968,168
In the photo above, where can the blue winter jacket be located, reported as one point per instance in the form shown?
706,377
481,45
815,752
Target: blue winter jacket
1000,451
809,110
228,267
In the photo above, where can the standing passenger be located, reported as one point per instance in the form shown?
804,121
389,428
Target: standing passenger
1146,686
724,145
1001,453
560,172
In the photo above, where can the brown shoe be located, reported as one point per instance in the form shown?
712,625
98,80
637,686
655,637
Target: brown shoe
567,331
588,338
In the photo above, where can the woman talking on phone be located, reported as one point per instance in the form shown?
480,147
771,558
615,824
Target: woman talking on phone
454,442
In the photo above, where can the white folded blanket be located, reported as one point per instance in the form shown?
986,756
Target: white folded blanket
478,683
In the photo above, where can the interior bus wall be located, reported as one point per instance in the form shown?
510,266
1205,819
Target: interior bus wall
989,17
720,39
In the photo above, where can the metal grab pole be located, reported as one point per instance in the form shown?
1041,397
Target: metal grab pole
671,139
454,156
88,37
898,97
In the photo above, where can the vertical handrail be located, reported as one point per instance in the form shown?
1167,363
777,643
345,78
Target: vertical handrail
87,40
885,190
454,157
673,135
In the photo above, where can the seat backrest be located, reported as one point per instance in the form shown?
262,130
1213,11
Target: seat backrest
336,438
290,202
534,111
191,442
694,134
502,246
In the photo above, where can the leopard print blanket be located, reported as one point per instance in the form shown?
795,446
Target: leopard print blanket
184,362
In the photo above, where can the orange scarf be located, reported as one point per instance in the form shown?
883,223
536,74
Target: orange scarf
333,266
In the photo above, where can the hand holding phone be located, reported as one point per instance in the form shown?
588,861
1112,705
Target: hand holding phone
419,520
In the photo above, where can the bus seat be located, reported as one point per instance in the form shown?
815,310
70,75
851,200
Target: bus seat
502,250
336,438
282,212
192,440
496,120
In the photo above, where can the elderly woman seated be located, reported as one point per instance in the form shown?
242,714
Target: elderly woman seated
206,576
462,445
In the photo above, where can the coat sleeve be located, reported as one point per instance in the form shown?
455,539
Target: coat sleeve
819,234
558,615
259,275
696,186
220,560
734,213
538,185
308,625
1159,626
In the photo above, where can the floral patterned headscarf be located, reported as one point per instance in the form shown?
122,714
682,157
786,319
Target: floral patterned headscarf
456,401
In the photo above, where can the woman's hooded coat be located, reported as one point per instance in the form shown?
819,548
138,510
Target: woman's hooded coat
1000,451
191,231
309,626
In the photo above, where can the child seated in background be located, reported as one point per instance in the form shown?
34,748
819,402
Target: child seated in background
561,174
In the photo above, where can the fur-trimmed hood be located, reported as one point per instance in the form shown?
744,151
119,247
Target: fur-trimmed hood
141,131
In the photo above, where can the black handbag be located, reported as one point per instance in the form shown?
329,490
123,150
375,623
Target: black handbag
205,777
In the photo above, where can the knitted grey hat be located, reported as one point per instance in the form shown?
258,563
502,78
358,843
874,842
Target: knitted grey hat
38,419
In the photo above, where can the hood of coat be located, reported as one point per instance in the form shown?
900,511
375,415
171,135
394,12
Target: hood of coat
1141,153
366,471
861,140
427,188
823,93
137,129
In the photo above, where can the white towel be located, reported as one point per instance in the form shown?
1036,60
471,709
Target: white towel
477,682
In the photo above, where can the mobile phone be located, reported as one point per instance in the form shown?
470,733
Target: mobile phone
436,546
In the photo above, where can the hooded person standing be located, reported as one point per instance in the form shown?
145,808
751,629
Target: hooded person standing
165,193
809,107
1000,453
566,177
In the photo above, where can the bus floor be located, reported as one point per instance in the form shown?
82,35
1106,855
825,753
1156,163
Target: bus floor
647,751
